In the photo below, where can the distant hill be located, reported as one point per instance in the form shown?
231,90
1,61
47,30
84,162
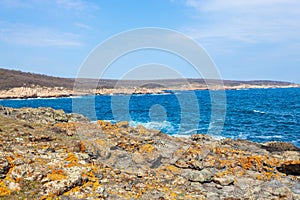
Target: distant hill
12,78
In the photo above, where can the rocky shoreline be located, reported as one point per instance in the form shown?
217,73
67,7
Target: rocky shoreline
49,92
48,154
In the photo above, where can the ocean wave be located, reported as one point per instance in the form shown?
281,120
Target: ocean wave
269,136
164,125
159,94
241,135
110,121
188,132
78,97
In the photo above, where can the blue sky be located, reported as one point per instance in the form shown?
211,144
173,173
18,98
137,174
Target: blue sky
248,40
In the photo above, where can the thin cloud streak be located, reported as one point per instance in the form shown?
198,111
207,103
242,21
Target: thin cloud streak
36,36
83,26
76,4
246,21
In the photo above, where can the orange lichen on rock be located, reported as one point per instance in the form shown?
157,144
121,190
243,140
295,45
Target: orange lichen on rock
72,159
82,147
10,160
68,125
105,125
147,148
4,190
57,175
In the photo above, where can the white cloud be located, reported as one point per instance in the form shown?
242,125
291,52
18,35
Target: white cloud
83,26
36,36
245,21
76,4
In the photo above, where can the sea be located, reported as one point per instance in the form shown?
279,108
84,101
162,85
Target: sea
258,115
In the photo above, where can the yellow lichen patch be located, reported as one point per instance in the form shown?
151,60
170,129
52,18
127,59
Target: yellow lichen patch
147,148
272,161
292,162
128,144
256,162
90,175
68,125
48,197
122,124
222,174
173,169
72,159
8,175
267,176
73,190
82,147
57,175
142,130
100,142
96,185
4,190
10,160
40,161
105,125
18,156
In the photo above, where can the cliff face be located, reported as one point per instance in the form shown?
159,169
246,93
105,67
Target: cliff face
47,153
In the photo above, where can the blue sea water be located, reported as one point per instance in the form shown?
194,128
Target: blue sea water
258,115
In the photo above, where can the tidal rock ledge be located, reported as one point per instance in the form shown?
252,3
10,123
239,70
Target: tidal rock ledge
45,154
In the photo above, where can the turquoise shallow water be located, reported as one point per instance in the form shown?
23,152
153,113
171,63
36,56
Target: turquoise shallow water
256,114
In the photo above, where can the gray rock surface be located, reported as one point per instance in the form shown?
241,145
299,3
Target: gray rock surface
48,154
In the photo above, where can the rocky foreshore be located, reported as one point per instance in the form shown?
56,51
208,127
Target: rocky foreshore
48,92
48,154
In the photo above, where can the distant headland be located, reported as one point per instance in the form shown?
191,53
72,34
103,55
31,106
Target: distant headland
17,84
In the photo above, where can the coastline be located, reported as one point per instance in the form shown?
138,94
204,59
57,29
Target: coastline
48,153
56,92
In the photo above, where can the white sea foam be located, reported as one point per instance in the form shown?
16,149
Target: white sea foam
154,125
77,97
242,136
269,136
257,111
159,94
181,135
190,131
217,137
111,121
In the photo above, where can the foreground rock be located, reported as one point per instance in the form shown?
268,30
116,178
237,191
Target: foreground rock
71,158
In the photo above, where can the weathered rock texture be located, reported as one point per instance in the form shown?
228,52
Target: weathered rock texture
47,154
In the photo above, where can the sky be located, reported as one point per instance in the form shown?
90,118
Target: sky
247,40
